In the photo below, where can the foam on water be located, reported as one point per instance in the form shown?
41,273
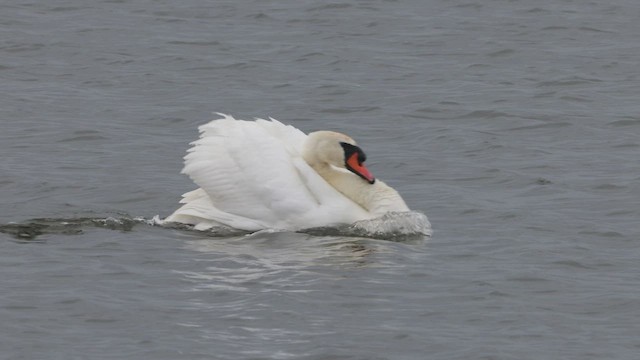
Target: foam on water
391,226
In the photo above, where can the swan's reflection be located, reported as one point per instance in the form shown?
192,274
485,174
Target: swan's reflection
278,286
279,261
288,249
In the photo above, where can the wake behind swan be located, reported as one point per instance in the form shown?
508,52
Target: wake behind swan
262,174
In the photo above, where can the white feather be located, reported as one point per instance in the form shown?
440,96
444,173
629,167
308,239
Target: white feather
252,176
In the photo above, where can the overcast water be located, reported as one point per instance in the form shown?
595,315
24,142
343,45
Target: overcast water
513,125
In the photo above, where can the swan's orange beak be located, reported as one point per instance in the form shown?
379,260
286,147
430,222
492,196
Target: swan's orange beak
359,169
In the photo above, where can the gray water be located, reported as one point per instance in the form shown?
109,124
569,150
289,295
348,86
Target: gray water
514,125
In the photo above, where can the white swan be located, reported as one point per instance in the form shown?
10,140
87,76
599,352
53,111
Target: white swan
263,174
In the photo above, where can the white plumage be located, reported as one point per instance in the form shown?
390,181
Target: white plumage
252,175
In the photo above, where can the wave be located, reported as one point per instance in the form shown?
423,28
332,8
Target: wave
31,229
391,226
395,226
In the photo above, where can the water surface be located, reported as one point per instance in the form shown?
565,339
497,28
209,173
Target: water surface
513,126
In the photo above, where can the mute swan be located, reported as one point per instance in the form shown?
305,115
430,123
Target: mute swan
263,174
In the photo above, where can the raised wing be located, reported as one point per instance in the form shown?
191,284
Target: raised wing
252,176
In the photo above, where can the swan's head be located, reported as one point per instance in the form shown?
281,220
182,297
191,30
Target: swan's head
338,150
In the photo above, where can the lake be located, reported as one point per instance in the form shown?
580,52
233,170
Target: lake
513,126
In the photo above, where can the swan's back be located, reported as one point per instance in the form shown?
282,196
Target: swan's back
252,176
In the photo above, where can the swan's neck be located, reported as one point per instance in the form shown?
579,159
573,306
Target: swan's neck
376,198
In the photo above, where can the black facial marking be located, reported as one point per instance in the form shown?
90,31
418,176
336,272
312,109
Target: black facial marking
350,149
